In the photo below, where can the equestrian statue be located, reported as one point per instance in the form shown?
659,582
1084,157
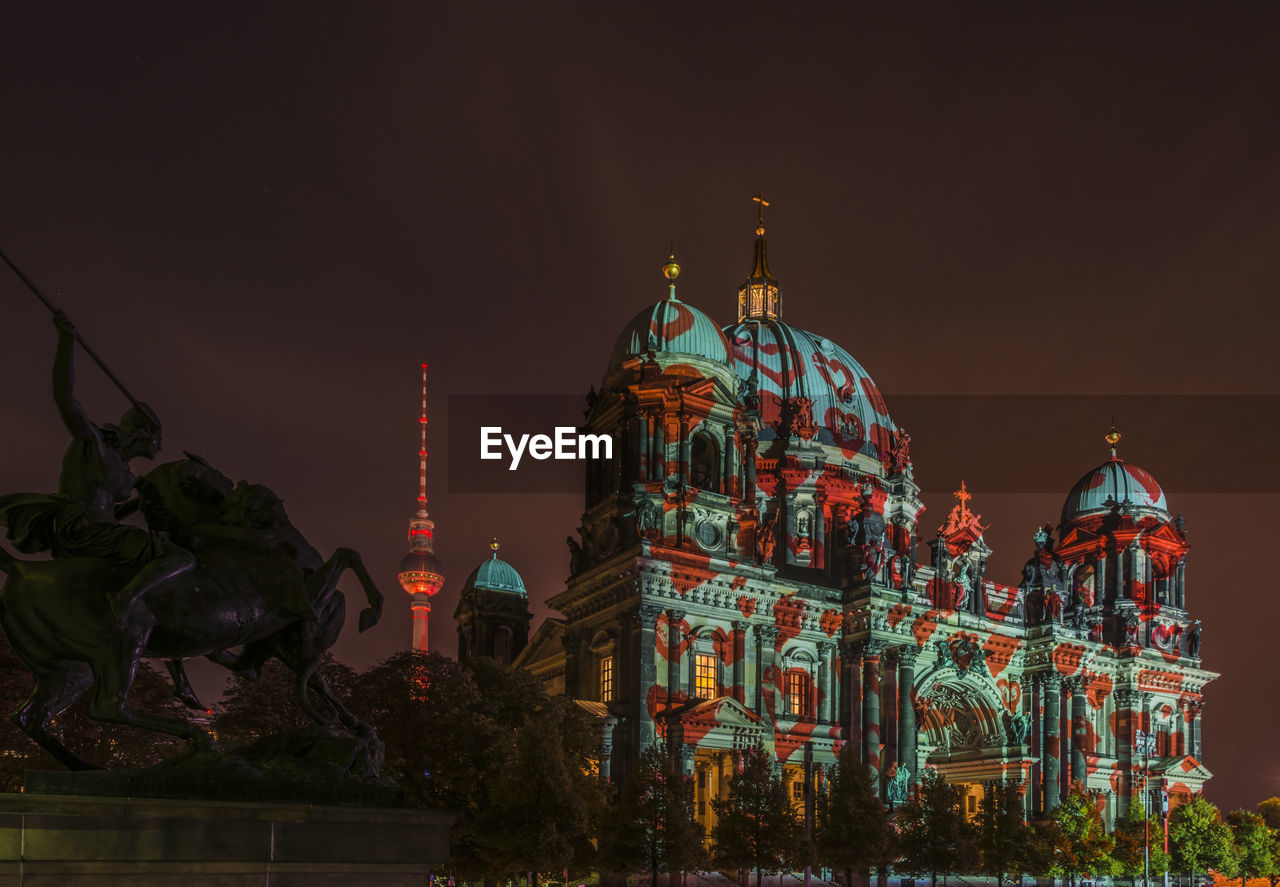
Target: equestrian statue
218,571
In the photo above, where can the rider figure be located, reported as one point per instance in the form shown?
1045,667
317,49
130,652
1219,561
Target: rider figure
95,490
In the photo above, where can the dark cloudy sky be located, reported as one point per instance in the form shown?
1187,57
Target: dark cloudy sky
266,219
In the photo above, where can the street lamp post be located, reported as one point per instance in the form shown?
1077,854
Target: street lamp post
1146,744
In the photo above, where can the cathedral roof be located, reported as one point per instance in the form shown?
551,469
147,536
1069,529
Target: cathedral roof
674,328
495,575
794,371
1114,482
783,361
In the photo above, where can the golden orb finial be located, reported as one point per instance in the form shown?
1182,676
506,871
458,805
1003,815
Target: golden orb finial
1113,438
671,270
494,545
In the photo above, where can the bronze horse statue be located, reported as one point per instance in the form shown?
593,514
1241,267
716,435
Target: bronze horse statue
257,591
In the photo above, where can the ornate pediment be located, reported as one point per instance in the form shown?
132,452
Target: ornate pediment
724,711
1183,768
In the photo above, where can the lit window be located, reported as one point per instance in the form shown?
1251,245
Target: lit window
798,684
797,790
704,676
606,679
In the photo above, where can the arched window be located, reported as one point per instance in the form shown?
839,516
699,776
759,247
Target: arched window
704,463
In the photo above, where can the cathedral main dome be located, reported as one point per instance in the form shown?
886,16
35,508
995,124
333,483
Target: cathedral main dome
793,371
785,362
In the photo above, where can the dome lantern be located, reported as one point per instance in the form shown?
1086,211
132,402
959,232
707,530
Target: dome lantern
760,298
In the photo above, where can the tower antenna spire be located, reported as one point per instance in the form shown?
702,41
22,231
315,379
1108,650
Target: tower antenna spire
422,452
421,574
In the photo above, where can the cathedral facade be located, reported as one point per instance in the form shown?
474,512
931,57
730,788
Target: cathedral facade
747,573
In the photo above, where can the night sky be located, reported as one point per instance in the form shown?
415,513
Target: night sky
1019,220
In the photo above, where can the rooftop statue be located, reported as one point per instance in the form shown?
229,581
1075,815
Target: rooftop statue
218,571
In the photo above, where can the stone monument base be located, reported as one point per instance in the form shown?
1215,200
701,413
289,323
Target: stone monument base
73,841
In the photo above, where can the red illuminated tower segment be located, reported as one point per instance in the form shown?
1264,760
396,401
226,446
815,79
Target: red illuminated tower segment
421,574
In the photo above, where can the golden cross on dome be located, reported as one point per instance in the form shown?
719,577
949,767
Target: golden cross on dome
964,496
759,198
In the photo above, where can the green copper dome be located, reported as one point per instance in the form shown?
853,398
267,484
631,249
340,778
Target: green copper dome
495,575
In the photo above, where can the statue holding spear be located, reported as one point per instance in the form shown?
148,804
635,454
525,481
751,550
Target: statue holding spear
96,485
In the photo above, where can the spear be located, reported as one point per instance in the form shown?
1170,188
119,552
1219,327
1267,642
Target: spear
83,344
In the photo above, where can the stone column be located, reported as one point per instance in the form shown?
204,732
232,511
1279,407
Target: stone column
644,446
766,673
853,659
1079,730
889,710
685,450
606,746
740,661
820,531
750,493
824,681
907,711
1052,683
644,642
674,636
684,756
1125,698
871,652
1197,735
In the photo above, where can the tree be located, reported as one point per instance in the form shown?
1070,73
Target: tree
1133,834
935,837
1269,810
1078,838
1003,835
756,827
483,739
851,828
1200,839
1254,845
652,821
537,821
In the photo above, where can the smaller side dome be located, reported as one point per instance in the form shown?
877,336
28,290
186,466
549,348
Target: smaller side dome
674,328
495,575
670,327
1114,481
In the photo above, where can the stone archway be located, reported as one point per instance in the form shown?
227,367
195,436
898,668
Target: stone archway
964,735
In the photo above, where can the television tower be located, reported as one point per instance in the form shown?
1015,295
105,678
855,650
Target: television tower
421,573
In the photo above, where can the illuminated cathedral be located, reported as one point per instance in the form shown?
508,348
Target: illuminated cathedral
748,571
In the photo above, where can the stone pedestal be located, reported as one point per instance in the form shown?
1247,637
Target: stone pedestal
73,841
